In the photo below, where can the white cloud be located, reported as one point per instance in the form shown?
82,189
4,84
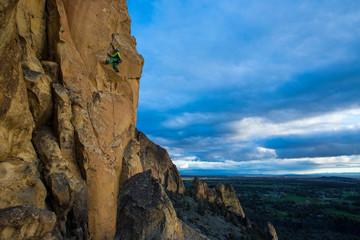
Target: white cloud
264,153
205,165
256,127
185,119
339,164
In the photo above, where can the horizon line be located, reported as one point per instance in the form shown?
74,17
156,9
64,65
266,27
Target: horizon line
352,175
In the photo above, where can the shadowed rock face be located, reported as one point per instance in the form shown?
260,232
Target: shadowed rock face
157,159
145,211
141,154
220,194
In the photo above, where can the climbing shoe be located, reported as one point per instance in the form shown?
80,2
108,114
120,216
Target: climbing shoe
106,61
116,70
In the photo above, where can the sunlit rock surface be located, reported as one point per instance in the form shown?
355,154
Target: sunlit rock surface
65,117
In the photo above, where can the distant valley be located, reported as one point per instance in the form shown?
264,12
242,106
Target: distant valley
299,207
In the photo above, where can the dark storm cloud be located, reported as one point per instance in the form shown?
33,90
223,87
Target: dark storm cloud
317,145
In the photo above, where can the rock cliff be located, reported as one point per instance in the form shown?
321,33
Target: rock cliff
220,194
65,117
141,154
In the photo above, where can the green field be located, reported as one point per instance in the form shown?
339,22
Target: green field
296,199
340,213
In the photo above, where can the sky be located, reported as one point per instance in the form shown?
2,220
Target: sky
251,87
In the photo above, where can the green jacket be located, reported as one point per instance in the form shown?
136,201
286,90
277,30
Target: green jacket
116,54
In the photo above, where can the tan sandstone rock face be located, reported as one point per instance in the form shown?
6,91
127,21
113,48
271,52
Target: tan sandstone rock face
103,103
55,87
16,122
31,22
67,189
131,161
220,194
20,182
145,211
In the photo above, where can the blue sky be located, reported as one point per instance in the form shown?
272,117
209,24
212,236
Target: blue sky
251,87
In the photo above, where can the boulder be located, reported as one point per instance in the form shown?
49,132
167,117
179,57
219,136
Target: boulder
145,211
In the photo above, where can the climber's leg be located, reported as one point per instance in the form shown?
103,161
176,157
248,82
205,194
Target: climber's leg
115,67
115,61
112,60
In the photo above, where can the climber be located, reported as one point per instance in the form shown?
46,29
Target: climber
115,58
